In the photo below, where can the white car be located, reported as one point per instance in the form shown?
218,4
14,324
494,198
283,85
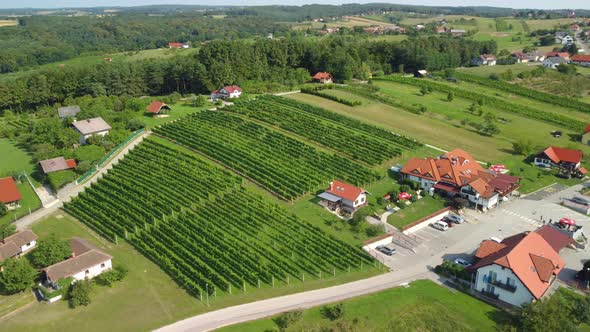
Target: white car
440,225
462,262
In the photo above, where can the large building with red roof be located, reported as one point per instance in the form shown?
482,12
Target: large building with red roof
567,160
457,174
343,196
9,194
581,60
521,268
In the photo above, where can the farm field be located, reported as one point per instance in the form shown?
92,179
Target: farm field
420,307
233,255
486,71
229,139
8,23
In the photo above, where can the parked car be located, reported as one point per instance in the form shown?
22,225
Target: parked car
389,251
457,219
440,225
462,262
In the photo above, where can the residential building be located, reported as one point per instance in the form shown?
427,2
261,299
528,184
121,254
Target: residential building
9,194
441,29
56,164
536,56
17,244
574,27
226,92
518,270
322,77
484,60
343,196
68,111
157,108
553,62
89,127
565,40
86,262
457,174
564,55
178,45
581,60
520,57
568,161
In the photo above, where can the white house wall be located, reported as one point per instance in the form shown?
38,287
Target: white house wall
424,183
28,246
93,271
520,296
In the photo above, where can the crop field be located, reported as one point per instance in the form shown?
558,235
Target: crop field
204,229
8,23
303,120
285,166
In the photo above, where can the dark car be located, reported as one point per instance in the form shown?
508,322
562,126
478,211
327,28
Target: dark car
386,250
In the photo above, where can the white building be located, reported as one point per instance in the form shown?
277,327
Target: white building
17,244
86,262
226,92
520,269
565,40
553,62
89,127
342,195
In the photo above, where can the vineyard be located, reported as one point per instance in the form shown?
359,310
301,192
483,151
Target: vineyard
283,165
350,142
204,229
517,109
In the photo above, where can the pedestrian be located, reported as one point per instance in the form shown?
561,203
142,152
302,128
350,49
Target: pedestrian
550,221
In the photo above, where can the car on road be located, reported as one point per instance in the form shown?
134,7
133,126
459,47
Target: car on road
457,219
389,251
462,262
440,225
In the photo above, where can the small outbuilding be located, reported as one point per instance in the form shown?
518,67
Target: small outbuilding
9,194
323,78
57,164
158,108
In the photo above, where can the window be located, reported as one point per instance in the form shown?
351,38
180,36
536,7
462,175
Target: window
510,281
490,289
28,244
356,202
493,276
102,266
362,199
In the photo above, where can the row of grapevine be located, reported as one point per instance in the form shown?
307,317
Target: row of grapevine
352,143
520,90
320,93
285,166
384,99
204,229
347,122
520,110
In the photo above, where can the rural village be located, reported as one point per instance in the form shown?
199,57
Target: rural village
300,168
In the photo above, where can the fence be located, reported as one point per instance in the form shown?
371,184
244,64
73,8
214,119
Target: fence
108,157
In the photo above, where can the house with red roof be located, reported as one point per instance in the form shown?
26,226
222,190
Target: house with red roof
568,161
232,91
520,57
343,196
457,174
581,60
519,269
322,77
157,108
178,45
9,194
564,55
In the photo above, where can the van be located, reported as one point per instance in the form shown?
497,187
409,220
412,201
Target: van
440,225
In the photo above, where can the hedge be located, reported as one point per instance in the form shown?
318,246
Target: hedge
317,92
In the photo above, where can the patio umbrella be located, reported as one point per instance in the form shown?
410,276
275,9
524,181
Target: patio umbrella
404,195
497,168
567,221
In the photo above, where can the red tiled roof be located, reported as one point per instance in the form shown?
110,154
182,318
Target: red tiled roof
559,54
583,170
175,44
232,88
322,76
581,58
8,191
530,257
482,187
556,239
557,155
344,190
155,107
488,247
520,55
71,163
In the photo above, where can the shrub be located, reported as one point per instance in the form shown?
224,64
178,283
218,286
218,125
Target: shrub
79,293
110,277
450,269
333,312
18,275
373,230
49,251
287,319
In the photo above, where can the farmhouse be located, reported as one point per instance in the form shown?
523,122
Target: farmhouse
9,194
484,60
68,111
581,60
322,77
536,56
178,45
86,261
343,196
89,127
57,164
517,270
157,108
553,62
457,174
17,244
520,57
564,55
226,92
568,161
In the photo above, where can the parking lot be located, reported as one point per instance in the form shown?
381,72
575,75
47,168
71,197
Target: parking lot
509,218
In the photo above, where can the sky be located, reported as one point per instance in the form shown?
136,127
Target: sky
544,4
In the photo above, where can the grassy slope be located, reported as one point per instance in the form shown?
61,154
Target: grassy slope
178,110
424,306
14,160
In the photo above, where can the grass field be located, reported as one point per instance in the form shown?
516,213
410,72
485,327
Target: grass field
548,24
485,71
426,206
14,159
179,110
424,306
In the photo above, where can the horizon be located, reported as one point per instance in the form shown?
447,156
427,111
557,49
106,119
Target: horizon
75,4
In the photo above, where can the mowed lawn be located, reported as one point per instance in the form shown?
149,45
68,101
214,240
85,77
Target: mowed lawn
419,209
178,111
13,159
423,306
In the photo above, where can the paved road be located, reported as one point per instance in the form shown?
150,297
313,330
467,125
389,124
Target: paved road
71,190
256,310
581,43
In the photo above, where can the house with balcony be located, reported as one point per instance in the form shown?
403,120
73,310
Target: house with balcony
518,270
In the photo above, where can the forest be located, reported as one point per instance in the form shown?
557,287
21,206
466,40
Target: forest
287,61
